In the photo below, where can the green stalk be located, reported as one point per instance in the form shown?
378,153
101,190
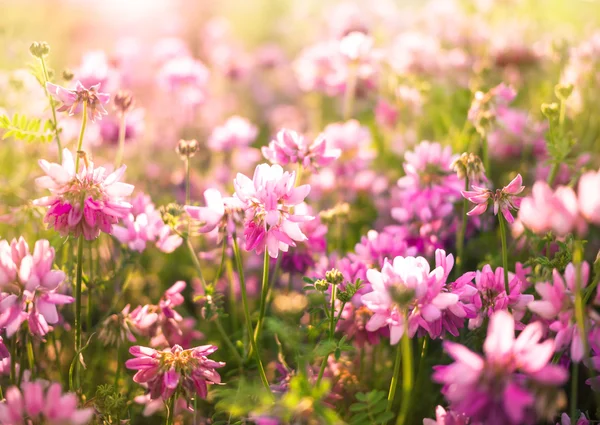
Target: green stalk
187,181
332,323
238,260
407,377
78,281
395,378
121,148
460,236
88,320
31,357
81,133
53,108
228,342
118,371
171,410
501,219
485,154
263,299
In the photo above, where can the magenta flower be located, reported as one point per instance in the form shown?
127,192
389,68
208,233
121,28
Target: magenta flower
40,403
144,224
73,100
220,212
29,287
175,369
406,289
375,247
443,417
551,211
290,147
491,295
502,387
237,132
557,304
566,420
504,200
269,198
85,202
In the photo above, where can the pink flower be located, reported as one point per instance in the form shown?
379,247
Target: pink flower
406,289
185,78
175,369
220,212
269,199
29,284
85,202
356,46
290,147
443,417
236,132
547,211
495,389
145,225
589,197
504,200
557,304
37,402
72,100
566,420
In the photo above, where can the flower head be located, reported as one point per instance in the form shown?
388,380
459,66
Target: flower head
269,198
220,212
175,369
290,147
83,202
237,132
36,402
503,200
73,100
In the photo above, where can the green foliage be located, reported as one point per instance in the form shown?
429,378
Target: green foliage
371,408
110,404
27,129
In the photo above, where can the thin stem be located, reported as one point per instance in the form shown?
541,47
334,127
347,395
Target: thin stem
332,323
121,148
56,355
81,133
238,261
407,377
187,180
395,377
53,108
552,174
574,388
485,154
171,411
228,342
78,281
232,297
501,219
263,298
31,357
88,321
460,236
118,371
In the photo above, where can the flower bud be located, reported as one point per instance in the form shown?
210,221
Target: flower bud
123,102
67,75
39,49
344,296
334,276
187,148
550,110
321,285
563,91
469,165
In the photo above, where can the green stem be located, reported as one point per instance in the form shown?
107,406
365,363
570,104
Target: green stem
171,410
238,260
78,281
81,133
407,377
485,154
460,236
31,357
332,323
232,297
118,371
263,298
187,180
501,219
121,148
53,108
228,342
574,388
88,321
552,174
395,378
56,355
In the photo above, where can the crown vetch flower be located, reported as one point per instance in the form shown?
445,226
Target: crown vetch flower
28,284
175,369
237,132
407,289
73,100
289,147
269,198
36,402
85,202
589,196
220,212
506,385
504,200
447,417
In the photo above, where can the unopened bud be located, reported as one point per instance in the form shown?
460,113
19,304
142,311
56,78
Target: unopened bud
469,165
550,110
187,148
67,75
123,101
334,276
39,49
321,285
563,91
344,296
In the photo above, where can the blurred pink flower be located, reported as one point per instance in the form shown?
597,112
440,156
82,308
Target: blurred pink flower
175,369
289,147
37,402
269,199
495,389
566,420
72,100
356,46
443,417
84,202
235,133
504,200
589,196
220,212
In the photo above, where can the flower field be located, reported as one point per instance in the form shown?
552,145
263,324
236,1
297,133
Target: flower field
299,212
